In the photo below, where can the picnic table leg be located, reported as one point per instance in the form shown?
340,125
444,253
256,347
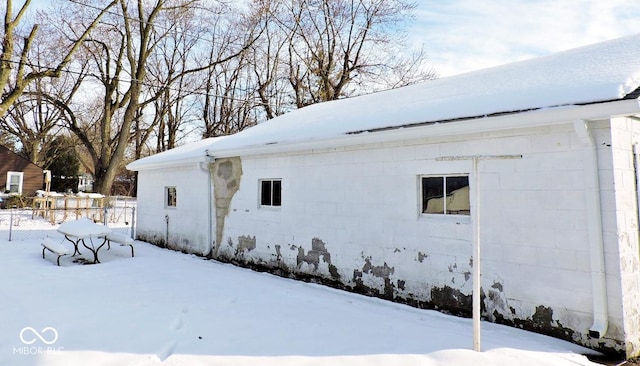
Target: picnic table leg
75,245
94,251
105,241
59,255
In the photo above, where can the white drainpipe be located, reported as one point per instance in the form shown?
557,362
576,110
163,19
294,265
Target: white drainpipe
636,165
205,166
594,223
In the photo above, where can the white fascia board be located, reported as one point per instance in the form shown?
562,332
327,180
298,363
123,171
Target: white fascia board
141,165
536,118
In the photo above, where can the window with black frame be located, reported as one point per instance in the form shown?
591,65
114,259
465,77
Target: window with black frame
271,192
445,195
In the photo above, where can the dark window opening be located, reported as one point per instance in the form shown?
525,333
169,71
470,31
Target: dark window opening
270,192
171,197
446,195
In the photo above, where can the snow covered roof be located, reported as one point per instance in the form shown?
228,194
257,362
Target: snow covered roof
603,72
193,152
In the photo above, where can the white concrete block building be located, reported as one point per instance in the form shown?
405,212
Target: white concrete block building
388,194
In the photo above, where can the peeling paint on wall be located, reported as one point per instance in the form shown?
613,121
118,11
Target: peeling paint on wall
312,257
245,244
467,275
226,175
451,300
496,303
383,272
278,253
422,257
542,321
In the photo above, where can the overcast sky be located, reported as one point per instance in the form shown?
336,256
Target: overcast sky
466,35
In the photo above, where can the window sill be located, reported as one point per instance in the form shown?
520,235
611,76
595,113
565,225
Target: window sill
461,219
270,208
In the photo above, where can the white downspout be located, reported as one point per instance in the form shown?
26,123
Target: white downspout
205,166
594,223
636,166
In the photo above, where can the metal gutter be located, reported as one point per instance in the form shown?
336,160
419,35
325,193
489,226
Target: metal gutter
139,165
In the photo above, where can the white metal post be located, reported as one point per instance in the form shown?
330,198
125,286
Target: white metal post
475,217
11,222
636,166
133,221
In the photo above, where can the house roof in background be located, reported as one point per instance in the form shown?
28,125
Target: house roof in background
4,149
603,72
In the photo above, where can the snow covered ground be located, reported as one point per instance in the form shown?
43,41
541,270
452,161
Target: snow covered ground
167,308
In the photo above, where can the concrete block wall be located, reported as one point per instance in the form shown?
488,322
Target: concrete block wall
624,134
188,221
352,215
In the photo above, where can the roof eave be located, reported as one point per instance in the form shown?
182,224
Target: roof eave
532,118
140,165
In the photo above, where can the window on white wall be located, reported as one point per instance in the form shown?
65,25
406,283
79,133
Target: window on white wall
171,198
271,192
14,182
445,195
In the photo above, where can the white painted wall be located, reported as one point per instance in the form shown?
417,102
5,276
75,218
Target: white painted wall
624,214
355,212
363,204
188,221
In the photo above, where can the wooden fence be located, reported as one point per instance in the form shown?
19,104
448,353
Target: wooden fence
51,207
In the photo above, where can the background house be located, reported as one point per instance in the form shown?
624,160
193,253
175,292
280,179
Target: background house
380,194
18,175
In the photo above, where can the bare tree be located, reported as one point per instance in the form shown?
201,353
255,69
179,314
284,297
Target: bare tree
228,97
229,105
171,83
35,118
119,54
33,121
122,54
339,48
152,68
268,62
15,70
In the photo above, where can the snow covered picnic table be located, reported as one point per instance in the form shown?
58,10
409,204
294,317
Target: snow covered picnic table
78,230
